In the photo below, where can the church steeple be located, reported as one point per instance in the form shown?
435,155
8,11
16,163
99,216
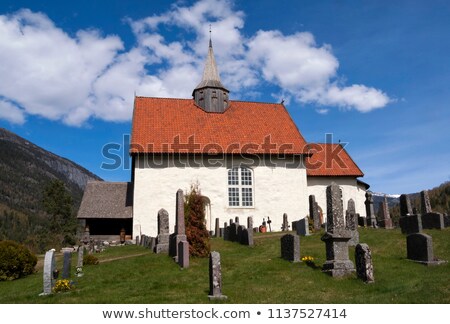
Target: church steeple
210,94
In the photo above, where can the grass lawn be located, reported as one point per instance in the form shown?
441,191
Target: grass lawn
251,275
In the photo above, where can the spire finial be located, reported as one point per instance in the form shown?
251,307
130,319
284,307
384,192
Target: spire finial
210,42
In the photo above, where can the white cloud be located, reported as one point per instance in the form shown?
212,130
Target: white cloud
49,73
11,113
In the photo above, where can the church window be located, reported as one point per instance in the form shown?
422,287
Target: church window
240,187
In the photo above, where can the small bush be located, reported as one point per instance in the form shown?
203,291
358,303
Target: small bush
90,259
16,261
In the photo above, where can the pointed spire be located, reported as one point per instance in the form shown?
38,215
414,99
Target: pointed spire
210,94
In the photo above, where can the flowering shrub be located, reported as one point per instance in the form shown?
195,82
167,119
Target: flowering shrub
63,285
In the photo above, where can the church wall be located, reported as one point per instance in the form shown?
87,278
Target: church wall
350,189
277,189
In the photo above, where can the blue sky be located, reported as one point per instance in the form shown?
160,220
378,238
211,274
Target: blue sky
375,74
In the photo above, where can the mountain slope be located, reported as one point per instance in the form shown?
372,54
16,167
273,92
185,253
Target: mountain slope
25,169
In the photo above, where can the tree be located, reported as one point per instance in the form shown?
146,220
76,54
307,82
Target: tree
57,202
195,221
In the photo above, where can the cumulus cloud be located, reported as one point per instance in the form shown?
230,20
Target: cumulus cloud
73,78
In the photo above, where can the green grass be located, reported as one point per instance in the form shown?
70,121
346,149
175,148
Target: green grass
251,275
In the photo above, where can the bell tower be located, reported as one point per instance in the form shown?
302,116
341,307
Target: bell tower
210,94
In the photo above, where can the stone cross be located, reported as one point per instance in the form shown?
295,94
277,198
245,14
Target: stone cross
162,241
215,277
67,264
370,212
180,229
285,226
217,229
425,202
290,247
337,236
363,260
405,205
49,271
351,222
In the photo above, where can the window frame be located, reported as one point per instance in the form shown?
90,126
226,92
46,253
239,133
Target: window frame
245,183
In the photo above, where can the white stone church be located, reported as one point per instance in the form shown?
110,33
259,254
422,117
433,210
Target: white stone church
247,158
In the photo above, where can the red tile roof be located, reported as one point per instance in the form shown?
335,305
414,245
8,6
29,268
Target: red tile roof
163,125
330,160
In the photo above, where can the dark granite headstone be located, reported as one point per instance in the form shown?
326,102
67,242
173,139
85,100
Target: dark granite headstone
337,236
410,224
363,260
240,233
233,233
215,277
362,221
285,225
290,247
67,263
420,247
183,256
370,212
226,232
217,228
425,202
405,205
433,221
302,227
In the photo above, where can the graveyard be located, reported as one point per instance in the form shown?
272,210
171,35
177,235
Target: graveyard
250,274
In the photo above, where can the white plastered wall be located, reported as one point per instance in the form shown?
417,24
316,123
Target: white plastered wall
277,189
350,189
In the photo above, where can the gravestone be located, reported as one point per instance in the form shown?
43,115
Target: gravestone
405,205
337,236
49,271
183,256
233,232
290,247
152,243
236,219
411,224
370,212
425,202
364,265
221,231
351,222
137,240
226,232
302,227
314,212
420,249
162,241
180,229
86,235
362,221
249,231
215,277
433,221
285,225
80,256
240,233
217,229
67,265
384,218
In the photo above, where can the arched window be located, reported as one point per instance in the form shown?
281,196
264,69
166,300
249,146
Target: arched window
240,187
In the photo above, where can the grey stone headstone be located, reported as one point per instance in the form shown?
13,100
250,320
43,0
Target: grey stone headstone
302,227
249,232
152,243
411,224
370,211
433,221
180,229
183,256
351,224
221,231
137,240
236,219
425,202
67,265
290,247
226,232
405,205
162,240
215,277
384,218
49,268
364,265
314,212
419,247
217,228
80,256
337,236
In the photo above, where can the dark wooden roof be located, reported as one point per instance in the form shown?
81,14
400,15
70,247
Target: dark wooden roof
107,200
